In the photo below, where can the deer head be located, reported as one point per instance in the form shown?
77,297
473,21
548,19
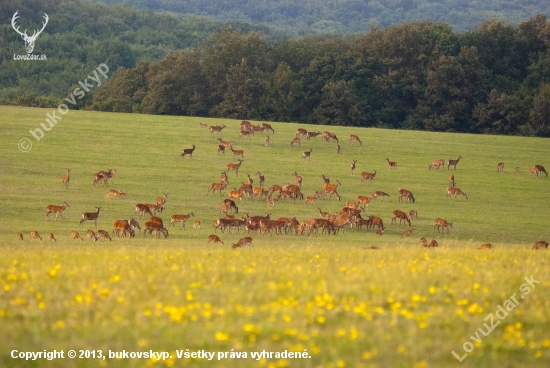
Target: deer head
29,40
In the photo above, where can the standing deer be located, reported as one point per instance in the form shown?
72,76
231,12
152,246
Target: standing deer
217,186
90,216
402,216
453,162
538,245
337,148
392,165
51,237
407,194
234,167
486,246
355,139
452,180
267,126
188,151
301,132
261,178
517,170
161,201
456,192
541,168
312,135
66,178
75,235
221,148
436,164
180,218
20,236
297,179
379,193
500,169
267,141
216,128
367,176
352,167
307,154
441,223
57,209
295,141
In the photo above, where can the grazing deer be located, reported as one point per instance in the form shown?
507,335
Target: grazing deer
20,236
246,125
541,168
92,216
391,164
51,237
452,180
453,162
355,139
407,194
197,224
245,133
91,235
297,179
456,192
267,126
156,219
151,225
441,223
143,209
214,238
407,233
125,226
230,204
225,144
221,148
261,178
301,132
436,164
66,178
402,216
307,154
337,148
352,167
500,169
75,235
161,201
380,232
538,245
216,128
379,193
517,170
103,235
376,221
295,141
413,214
242,242
367,176
188,151
34,235
328,136
486,246
217,186
203,126
57,209
234,167
310,135
180,218
237,152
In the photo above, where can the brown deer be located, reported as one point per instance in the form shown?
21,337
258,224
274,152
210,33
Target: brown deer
180,218
249,181
91,235
214,238
105,176
380,232
242,242
221,148
161,201
143,209
486,246
203,126
230,204
267,126
376,221
237,152
301,132
423,242
367,176
391,164
325,179
271,201
151,225
51,237
338,148
500,169
295,142
402,216
234,167
92,216
453,162
433,244
533,171
245,133
125,226
246,125
115,193
310,135
156,219
259,192
452,180
197,224
20,236
517,170
234,193
331,189
216,128
541,169
297,179
364,200
407,194
456,192
436,164
225,144
538,245
75,235
352,167
57,209
34,235
217,186
267,141
328,136
103,235
355,139
153,207
311,199
66,178
188,151
441,223
261,178
379,193
413,214
307,154
407,233
223,177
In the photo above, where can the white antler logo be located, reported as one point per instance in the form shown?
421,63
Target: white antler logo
29,40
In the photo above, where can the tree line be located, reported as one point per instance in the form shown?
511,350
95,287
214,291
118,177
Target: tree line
494,79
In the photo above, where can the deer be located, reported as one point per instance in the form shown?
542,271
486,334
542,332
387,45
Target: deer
103,235
214,238
376,221
436,164
538,245
125,226
380,232
486,246
249,181
500,169
364,200
66,178
245,125
161,201
310,135
234,193
242,242
57,209
325,179
234,167
402,216
203,126
367,176
453,162
105,176
230,204
153,208
91,235
533,172
29,40
197,224
267,141
92,216
245,133
216,128
391,164
407,194
115,193
261,179
188,151
275,188
51,237
352,167
456,192
221,148
34,235
307,154
441,223
541,168
267,126
407,233
152,225
259,192
225,144
517,170
413,214
217,186
271,201
328,136
301,132
297,179
237,152
143,209
378,193
452,180
75,235
337,148
331,189
295,142
311,199
424,243
20,236
156,219
180,218
355,139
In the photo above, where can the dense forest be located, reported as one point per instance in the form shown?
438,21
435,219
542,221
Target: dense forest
349,16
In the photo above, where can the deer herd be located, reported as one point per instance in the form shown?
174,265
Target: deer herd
351,215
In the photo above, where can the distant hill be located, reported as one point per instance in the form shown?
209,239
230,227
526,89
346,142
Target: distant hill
349,16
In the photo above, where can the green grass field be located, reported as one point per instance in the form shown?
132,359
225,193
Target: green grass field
400,306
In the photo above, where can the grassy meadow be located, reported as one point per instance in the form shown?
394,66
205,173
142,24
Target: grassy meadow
399,306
